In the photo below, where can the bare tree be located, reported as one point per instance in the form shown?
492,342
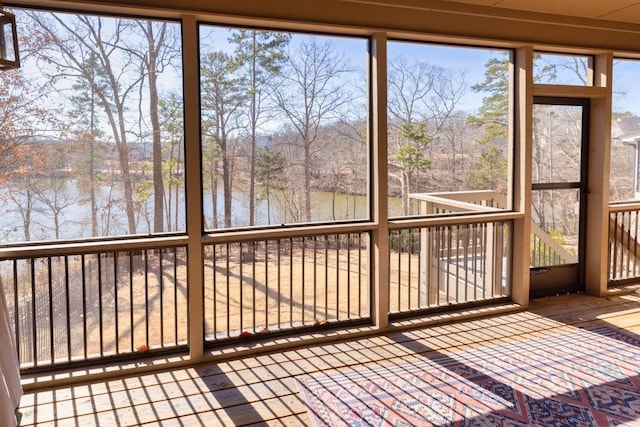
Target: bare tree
259,55
21,195
311,92
422,100
223,95
457,138
423,92
24,118
172,126
158,52
69,43
52,195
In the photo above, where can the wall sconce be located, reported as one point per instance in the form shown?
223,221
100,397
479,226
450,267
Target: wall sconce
9,56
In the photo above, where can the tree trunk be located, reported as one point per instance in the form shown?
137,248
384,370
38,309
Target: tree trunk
123,156
253,124
307,182
214,193
158,183
226,182
92,167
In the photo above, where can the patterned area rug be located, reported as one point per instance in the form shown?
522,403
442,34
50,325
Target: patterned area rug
579,377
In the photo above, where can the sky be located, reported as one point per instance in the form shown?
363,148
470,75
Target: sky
626,92
468,59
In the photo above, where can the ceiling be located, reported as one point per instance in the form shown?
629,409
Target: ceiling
606,10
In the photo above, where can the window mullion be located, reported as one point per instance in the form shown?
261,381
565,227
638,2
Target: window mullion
380,235
193,196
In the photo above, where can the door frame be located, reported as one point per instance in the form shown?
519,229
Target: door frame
544,280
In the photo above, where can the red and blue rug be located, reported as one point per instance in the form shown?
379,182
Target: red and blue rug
576,377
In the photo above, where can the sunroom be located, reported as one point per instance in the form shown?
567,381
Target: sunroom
216,201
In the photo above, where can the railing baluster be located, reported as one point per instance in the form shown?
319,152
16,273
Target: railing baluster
399,250
131,304
456,263
635,244
266,285
101,330
253,284
34,329
84,305
16,310
541,253
241,288
302,281
337,241
409,256
228,276
279,282
326,277
67,306
485,259
50,309
617,271
626,227
214,284
465,234
348,236
161,295
291,282
146,296
438,263
448,281
175,296
359,274
622,248
115,298
315,278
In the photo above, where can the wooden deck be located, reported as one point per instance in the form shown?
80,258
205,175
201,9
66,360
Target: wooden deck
261,390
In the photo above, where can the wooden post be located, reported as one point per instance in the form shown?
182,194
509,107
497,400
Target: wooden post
195,272
521,135
380,235
596,245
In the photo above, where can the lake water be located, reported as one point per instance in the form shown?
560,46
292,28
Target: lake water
75,217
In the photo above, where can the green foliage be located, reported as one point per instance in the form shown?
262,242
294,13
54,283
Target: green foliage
406,241
260,55
222,91
168,168
621,114
144,187
210,154
557,237
493,113
492,171
412,159
172,128
411,156
263,51
543,255
85,99
270,167
416,132
171,116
